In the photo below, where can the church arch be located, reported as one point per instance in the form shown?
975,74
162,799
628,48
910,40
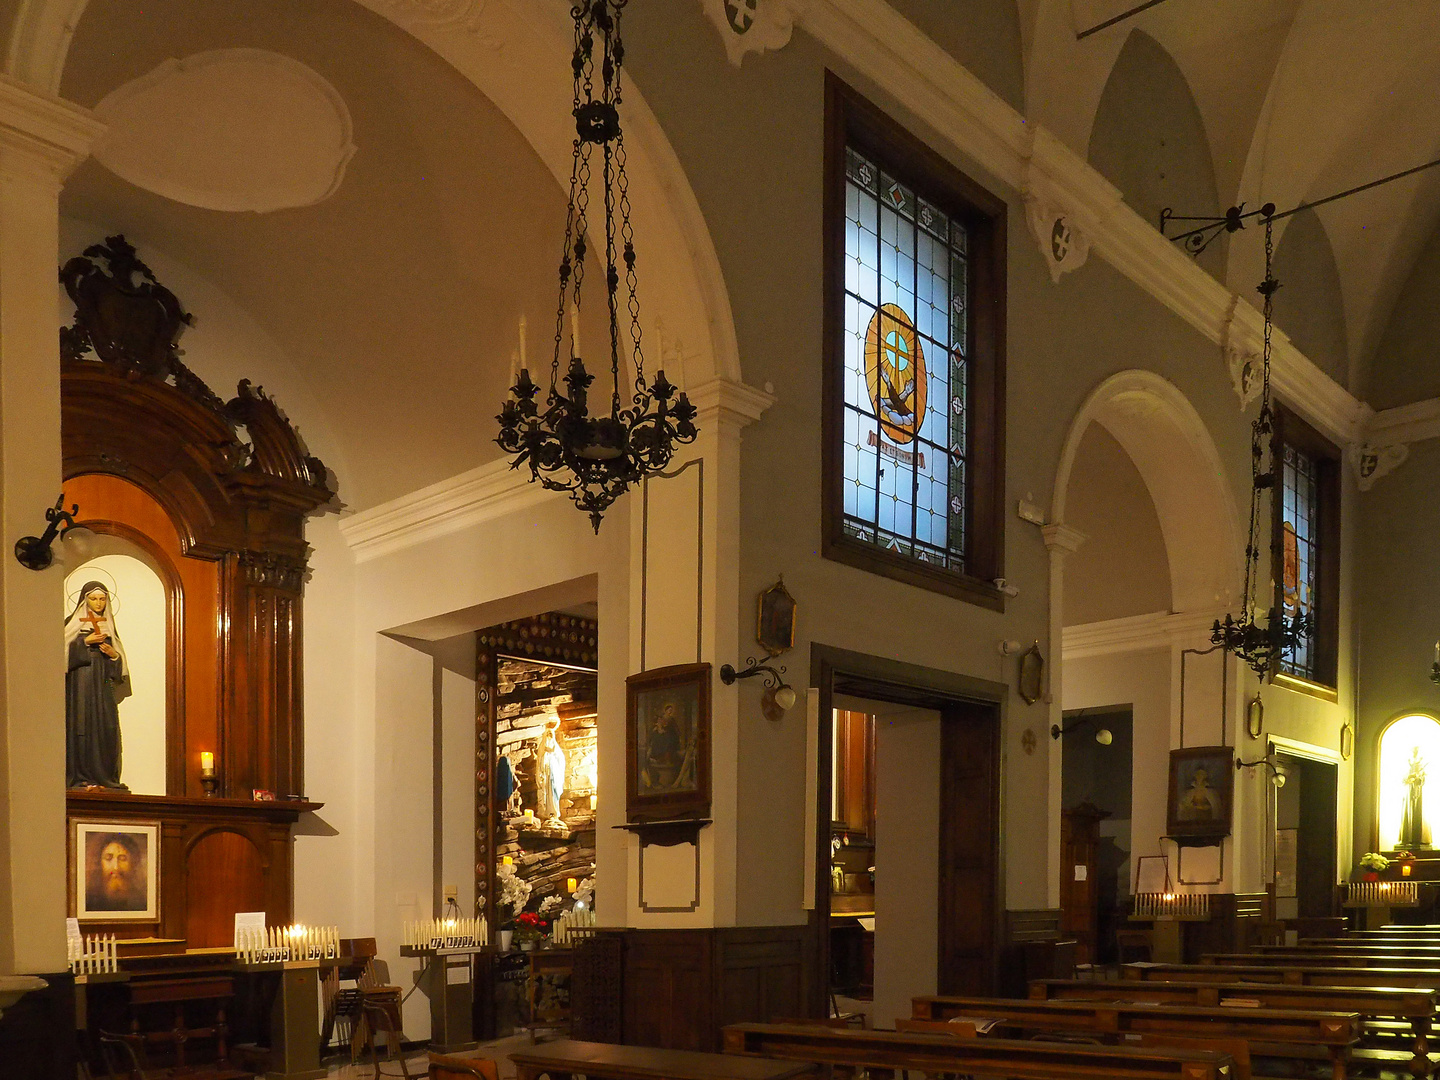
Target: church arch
1412,736
521,64
1176,457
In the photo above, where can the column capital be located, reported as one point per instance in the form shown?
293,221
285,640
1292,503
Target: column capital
1062,538
43,135
729,401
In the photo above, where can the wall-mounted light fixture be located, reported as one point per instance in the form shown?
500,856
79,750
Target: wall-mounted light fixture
1103,735
1277,774
778,697
34,552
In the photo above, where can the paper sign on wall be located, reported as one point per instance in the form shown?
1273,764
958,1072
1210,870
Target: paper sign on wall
249,920
1082,872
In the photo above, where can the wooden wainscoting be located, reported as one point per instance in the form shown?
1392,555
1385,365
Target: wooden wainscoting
37,1033
677,988
217,857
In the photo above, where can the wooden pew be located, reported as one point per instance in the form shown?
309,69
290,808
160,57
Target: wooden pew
881,1052
1238,1049
1270,1032
1412,1007
1381,950
1292,973
1360,959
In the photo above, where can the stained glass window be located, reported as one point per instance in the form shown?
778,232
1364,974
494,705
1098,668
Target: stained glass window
1299,527
905,373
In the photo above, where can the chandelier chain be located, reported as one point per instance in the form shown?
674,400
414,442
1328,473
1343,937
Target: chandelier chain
595,458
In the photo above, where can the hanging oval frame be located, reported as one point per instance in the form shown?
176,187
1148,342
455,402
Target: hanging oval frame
1031,680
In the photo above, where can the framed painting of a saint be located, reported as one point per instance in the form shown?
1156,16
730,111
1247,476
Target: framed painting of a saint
115,867
1201,792
667,743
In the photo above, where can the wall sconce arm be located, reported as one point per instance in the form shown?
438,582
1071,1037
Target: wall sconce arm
33,552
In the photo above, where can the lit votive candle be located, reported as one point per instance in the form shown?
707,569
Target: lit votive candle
1404,869
529,817
571,885
507,861
207,761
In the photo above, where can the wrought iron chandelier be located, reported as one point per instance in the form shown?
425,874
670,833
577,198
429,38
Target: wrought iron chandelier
595,458
1259,644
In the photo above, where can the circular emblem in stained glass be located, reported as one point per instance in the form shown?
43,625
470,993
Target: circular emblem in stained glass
895,373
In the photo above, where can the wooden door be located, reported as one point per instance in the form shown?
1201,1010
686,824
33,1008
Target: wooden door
969,848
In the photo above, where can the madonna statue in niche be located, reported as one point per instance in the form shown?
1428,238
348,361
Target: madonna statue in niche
97,679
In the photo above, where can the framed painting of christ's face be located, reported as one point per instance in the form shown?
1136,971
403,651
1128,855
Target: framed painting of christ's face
668,743
115,870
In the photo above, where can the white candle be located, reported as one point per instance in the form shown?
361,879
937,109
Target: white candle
524,365
514,366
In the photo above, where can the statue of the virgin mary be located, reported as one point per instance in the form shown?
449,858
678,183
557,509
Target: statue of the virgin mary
97,679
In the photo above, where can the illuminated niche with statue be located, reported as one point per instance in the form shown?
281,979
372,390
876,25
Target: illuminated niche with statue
1409,783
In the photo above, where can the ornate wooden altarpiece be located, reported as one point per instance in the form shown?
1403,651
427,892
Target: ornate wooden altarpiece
216,493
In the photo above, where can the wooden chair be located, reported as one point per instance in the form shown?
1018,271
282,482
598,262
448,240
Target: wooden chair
382,1017
1133,944
124,1058
346,1015
444,1067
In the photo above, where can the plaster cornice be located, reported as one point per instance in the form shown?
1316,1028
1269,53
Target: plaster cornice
937,88
1406,423
478,495
731,400
54,135
1135,633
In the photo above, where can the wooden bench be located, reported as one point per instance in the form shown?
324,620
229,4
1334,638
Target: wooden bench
1412,1008
1344,946
879,1053
1291,974
1270,1032
566,1058
1324,959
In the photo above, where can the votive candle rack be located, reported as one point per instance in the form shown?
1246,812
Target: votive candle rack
1382,894
277,944
437,934
1172,905
93,954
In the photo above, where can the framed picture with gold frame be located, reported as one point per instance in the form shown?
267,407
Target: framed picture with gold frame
667,744
115,871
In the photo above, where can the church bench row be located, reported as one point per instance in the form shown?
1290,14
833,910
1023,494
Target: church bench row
878,1052
1269,1032
1292,974
1379,950
1325,960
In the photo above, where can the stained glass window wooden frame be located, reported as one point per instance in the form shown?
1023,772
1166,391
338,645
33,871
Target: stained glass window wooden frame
1306,531
936,441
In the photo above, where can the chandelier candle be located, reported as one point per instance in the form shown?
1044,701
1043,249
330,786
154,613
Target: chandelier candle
596,457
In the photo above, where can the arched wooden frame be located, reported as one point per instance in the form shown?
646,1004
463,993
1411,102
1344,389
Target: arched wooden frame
136,413
1403,714
174,645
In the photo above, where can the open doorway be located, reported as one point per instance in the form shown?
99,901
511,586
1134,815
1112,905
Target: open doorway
1097,762
1305,834
909,828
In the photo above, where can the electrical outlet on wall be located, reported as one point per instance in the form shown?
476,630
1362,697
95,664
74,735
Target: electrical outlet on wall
452,894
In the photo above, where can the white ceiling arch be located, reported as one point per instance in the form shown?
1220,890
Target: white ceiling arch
512,52
1172,449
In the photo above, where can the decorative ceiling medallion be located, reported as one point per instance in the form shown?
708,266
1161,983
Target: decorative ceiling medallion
895,373
1373,462
754,25
1064,245
233,129
464,14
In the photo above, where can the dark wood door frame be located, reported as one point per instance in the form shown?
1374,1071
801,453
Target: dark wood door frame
959,699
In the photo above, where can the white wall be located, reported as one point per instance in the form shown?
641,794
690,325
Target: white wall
907,860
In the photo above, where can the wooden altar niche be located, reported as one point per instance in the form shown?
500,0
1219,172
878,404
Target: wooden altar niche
152,455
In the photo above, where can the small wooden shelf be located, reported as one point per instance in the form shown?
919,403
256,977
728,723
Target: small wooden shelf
667,833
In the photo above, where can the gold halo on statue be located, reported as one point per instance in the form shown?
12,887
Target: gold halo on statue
91,572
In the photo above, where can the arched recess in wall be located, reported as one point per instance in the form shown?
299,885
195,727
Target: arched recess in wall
1408,810
1310,306
1149,140
1172,449
521,62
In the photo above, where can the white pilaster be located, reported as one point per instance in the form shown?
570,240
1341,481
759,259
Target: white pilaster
41,140
1061,541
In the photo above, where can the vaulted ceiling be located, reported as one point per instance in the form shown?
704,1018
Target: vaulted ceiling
1299,99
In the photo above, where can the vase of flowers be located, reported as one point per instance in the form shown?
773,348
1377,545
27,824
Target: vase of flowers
1374,865
529,930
